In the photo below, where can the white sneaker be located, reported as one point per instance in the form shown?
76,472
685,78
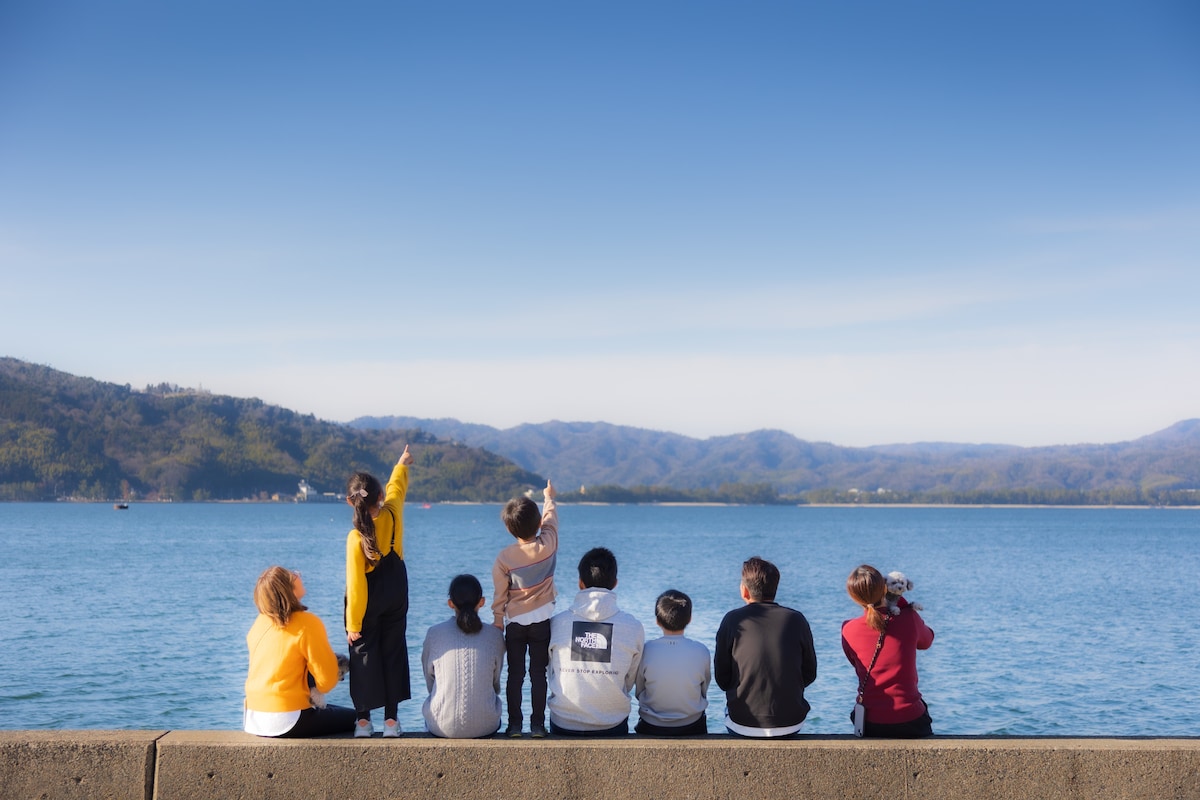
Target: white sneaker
391,729
363,729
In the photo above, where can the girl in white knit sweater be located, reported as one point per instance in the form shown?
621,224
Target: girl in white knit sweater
461,659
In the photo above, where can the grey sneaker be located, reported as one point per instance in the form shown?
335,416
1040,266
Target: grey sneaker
391,729
537,731
363,729
513,731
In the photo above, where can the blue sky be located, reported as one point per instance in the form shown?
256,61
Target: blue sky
859,222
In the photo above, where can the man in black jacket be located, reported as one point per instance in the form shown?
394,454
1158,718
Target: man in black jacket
764,658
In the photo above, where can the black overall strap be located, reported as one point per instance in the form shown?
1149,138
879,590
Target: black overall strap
392,544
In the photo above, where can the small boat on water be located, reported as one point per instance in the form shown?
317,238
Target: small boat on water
121,506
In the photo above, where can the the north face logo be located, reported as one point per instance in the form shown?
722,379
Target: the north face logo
591,641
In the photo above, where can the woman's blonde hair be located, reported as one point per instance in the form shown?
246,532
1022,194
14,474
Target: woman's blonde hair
275,595
866,586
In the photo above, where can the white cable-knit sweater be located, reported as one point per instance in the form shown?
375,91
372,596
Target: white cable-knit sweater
462,674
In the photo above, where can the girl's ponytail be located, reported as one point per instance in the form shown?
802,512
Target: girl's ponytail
866,586
875,618
363,493
465,594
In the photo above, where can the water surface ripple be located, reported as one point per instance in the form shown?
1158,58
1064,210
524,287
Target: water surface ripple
1049,621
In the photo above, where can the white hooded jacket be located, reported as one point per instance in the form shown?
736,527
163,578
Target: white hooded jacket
595,649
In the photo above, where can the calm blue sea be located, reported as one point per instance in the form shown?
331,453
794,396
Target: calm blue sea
1048,621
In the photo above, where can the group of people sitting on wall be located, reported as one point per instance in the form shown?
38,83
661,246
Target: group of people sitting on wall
582,663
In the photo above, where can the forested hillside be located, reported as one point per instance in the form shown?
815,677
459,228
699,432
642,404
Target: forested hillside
65,436
627,464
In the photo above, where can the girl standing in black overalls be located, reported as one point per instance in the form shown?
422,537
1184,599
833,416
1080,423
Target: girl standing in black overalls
377,597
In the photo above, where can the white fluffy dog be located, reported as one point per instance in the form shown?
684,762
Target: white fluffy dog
897,584
317,698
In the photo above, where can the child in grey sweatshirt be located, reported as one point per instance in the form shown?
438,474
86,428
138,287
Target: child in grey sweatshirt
595,649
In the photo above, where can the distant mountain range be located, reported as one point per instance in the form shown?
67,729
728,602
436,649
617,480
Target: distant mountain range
63,436
596,453
67,437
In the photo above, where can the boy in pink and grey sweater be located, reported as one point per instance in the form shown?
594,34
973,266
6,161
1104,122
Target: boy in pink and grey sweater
524,579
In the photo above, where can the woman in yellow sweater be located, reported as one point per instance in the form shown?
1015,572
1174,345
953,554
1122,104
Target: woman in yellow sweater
377,597
287,644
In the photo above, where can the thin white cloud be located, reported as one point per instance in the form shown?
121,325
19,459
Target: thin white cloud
646,313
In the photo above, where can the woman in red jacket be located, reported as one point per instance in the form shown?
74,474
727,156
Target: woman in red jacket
894,707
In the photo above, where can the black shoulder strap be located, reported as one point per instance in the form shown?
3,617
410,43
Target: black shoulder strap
392,544
862,684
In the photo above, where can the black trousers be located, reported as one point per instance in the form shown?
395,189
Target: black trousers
322,722
379,659
534,639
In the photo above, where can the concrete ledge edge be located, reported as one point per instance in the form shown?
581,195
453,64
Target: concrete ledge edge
181,765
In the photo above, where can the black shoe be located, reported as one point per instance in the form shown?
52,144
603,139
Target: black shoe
513,731
537,731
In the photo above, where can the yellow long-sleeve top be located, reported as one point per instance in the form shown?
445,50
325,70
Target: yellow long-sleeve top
386,540
280,659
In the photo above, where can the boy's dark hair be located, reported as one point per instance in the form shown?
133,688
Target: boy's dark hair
521,517
761,579
673,610
598,569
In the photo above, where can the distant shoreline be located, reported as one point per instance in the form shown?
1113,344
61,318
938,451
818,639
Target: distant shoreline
671,504
884,505
987,505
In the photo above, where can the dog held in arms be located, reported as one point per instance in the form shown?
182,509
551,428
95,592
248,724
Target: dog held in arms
897,584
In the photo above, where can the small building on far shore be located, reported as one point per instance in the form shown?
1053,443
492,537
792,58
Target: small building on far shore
308,494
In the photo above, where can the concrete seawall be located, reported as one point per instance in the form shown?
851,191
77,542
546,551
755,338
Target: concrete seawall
183,765
52,764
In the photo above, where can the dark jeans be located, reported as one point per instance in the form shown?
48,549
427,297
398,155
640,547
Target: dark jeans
621,729
322,722
697,728
535,639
